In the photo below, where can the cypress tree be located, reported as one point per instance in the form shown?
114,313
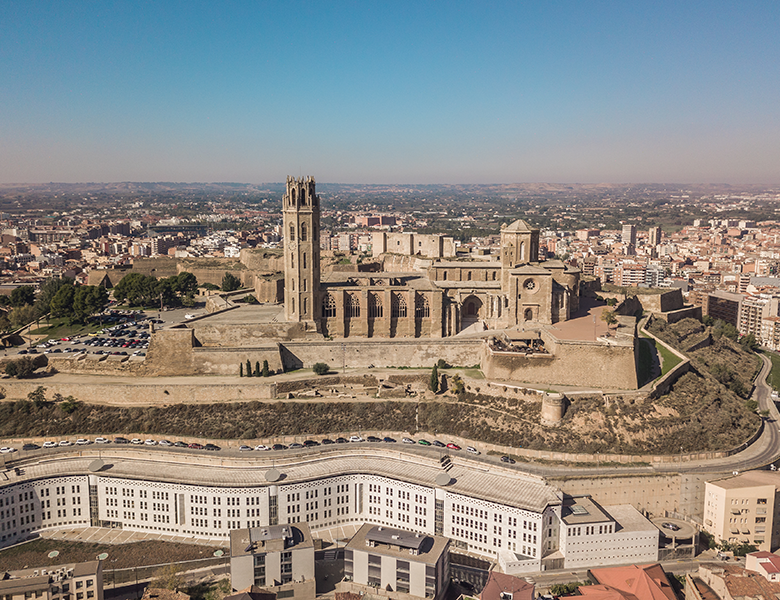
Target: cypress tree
266,371
240,369
248,368
434,385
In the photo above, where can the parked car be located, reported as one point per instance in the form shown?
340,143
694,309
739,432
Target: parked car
102,440
7,450
388,440
453,446
212,447
150,443
472,450
244,448
355,438
262,447
327,442
137,441
341,440
30,447
408,441
437,443
671,526
373,438
196,446
82,442
121,440
310,443
164,443
49,444
279,447
423,442
507,459
65,443
295,446
180,444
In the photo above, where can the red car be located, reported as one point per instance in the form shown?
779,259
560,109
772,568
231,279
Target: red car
196,446
453,446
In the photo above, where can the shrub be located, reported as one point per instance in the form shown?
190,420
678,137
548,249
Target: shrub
266,371
320,368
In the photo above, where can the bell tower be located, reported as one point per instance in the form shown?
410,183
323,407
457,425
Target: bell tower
301,218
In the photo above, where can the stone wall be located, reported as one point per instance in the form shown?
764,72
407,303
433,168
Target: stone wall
225,361
249,335
592,364
170,352
147,394
655,301
364,353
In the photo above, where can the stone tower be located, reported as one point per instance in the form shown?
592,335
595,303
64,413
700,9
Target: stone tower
519,246
301,215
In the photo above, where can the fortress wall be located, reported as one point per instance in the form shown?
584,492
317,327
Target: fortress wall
269,290
225,361
170,352
389,353
160,266
262,259
133,394
655,302
244,335
591,364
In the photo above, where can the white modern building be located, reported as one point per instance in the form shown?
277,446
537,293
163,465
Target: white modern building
485,510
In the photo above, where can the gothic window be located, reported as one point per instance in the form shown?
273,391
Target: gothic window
375,307
304,285
292,232
352,306
303,232
303,261
292,260
472,310
468,276
293,284
292,195
328,307
303,196
421,309
398,308
444,276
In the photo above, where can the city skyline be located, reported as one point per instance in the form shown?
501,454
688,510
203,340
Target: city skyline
408,93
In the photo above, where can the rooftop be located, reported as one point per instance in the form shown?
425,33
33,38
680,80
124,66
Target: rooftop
274,538
749,479
428,551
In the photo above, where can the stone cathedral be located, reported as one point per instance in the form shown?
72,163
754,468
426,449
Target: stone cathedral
451,296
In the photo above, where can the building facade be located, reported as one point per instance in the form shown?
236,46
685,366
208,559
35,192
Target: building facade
450,297
744,509
75,581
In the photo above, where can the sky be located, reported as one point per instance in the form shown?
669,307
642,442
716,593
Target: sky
578,91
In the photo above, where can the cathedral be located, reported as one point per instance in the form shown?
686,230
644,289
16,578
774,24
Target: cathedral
453,295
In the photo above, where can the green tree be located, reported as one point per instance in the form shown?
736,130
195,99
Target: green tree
88,300
230,282
21,368
23,295
47,291
186,283
38,396
257,368
21,315
266,372
209,286
434,382
608,316
61,305
137,290
248,368
69,405
457,385
168,578
749,342
320,368
240,369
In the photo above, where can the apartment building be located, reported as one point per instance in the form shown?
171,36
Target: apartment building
744,509
279,558
75,581
398,562
724,306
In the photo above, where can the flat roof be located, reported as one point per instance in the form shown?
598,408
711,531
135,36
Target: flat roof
748,479
497,484
395,537
429,551
260,540
577,511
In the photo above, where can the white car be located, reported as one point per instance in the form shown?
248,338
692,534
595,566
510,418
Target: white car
162,443
262,447
65,443
82,442
355,438
7,450
472,449
49,444
136,441
408,441
244,448
102,440
150,443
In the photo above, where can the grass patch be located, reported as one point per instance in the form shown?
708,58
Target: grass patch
669,359
120,556
644,363
59,328
774,375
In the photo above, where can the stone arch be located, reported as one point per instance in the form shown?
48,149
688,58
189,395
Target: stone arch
375,308
422,309
528,314
398,308
471,311
292,232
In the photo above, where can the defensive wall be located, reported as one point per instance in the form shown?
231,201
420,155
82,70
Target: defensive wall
606,364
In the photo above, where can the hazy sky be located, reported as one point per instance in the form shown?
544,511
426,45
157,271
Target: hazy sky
390,91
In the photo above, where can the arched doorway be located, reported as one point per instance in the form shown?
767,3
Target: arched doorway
471,312
528,315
